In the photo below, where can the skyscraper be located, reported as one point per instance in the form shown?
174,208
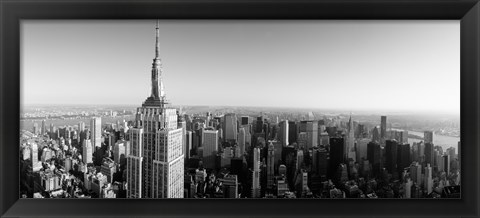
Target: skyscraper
375,135
156,162
36,166
35,128
429,153
188,144
446,163
337,155
96,131
270,166
383,128
241,141
230,127
210,147
428,184
292,132
391,154
416,173
310,128
256,173
351,140
119,151
361,149
81,126
284,132
428,136
168,164
374,156
44,128
312,134
87,151
135,164
183,125
403,157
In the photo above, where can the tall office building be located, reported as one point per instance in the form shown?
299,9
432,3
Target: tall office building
376,135
403,157
256,173
312,134
374,156
259,125
156,162
416,173
292,132
428,184
284,132
96,131
391,154
350,140
310,128
230,127
451,151
446,163
44,128
270,166
183,125
241,141
428,136
408,188
119,151
81,126
188,144
135,164
383,128
210,147
361,149
35,128
337,155
36,165
429,153
320,162
87,151
168,164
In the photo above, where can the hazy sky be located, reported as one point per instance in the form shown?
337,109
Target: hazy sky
350,65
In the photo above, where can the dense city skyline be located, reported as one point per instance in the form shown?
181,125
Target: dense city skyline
408,59
161,151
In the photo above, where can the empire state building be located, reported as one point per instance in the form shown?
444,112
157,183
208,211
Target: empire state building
155,163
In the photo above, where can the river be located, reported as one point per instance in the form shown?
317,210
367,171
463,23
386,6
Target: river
440,140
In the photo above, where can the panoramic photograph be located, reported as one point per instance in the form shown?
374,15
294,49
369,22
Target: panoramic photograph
240,109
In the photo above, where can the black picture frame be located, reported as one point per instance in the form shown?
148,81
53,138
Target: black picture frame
12,11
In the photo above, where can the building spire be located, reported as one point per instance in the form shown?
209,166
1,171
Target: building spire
157,43
157,95
157,83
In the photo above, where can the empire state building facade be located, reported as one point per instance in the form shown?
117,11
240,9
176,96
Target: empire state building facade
155,164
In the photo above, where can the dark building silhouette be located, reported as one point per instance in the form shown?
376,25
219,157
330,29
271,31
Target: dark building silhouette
337,155
259,125
391,154
292,132
403,157
244,120
429,153
289,158
374,156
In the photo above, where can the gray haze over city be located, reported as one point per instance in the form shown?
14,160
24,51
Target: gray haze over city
381,66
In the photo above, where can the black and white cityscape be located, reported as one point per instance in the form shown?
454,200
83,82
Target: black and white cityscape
161,149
